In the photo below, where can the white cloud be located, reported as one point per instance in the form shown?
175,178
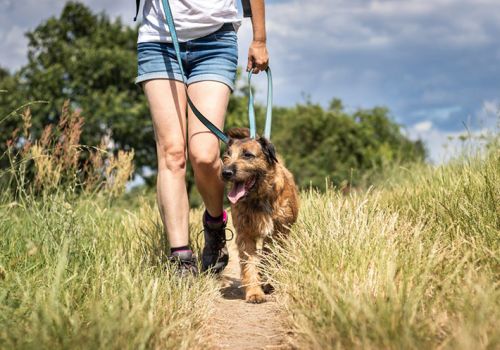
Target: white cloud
491,107
445,145
423,126
489,115
347,24
15,47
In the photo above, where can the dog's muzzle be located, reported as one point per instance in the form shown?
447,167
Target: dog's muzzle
228,173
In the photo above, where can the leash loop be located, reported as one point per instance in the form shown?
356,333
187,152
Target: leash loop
269,107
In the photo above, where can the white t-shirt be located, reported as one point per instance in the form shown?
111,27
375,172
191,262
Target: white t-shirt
193,19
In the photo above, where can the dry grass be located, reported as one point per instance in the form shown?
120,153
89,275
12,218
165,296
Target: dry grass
58,161
83,275
78,271
413,265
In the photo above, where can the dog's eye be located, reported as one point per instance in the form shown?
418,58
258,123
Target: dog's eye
248,155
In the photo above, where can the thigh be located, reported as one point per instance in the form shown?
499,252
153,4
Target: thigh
211,98
167,103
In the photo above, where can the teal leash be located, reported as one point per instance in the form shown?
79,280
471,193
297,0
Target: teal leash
269,108
175,41
251,110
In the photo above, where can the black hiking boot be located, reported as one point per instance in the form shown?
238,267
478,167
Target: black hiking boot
215,256
185,263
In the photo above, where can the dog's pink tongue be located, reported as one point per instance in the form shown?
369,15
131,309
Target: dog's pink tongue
236,192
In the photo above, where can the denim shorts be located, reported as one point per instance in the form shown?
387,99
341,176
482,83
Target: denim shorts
213,57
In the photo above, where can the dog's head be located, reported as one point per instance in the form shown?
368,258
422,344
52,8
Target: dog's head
246,162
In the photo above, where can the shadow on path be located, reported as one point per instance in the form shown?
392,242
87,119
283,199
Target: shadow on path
232,290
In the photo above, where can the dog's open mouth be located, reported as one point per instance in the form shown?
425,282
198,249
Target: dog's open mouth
240,189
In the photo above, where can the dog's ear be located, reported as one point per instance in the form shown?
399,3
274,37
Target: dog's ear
238,133
268,150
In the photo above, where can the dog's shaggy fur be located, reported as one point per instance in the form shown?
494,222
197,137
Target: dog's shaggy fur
264,202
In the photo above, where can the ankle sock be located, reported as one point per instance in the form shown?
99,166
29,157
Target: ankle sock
215,220
179,249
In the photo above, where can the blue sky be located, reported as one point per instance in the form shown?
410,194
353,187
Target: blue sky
434,63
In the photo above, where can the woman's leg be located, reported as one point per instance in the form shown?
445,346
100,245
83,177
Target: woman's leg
167,103
211,98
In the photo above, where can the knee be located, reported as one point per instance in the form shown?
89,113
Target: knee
172,159
205,161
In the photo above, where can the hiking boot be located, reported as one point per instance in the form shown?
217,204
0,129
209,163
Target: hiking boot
185,263
215,256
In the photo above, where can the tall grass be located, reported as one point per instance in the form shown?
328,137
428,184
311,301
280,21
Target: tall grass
410,264
56,161
77,270
86,275
413,265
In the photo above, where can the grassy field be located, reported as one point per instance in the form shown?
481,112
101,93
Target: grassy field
83,274
412,263
83,266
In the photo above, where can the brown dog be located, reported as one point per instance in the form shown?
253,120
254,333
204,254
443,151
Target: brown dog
264,202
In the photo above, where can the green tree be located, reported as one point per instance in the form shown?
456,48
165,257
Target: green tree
91,61
318,143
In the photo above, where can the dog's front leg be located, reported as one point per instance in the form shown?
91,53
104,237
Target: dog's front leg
249,263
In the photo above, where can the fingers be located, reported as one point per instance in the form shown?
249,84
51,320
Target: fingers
258,57
260,67
256,65
250,63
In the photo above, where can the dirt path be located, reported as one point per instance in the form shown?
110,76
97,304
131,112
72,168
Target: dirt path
240,325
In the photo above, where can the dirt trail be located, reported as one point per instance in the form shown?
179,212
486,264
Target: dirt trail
240,325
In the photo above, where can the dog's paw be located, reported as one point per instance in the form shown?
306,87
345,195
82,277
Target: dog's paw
255,297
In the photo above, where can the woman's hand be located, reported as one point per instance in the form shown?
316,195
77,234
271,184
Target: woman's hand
258,57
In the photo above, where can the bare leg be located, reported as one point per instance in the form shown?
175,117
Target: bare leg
167,102
211,98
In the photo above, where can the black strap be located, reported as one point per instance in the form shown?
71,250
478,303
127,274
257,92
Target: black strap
247,9
137,5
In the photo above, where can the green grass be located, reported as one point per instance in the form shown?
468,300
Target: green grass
413,264
80,274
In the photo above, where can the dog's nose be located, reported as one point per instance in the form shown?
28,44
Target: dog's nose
227,173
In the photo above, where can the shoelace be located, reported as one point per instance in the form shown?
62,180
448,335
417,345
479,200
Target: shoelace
220,239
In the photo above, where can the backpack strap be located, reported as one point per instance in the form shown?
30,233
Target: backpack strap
137,5
247,9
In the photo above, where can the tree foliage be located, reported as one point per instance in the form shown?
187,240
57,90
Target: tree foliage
320,143
91,61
